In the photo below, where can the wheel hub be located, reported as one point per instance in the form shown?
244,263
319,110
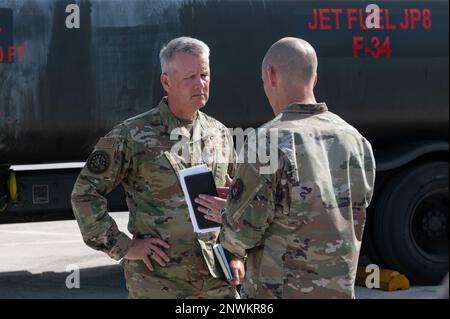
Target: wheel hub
434,223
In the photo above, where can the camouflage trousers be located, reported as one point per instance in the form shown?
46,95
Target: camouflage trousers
152,286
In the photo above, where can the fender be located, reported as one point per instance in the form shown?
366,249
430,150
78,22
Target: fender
402,154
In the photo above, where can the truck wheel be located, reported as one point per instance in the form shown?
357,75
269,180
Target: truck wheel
411,223
368,247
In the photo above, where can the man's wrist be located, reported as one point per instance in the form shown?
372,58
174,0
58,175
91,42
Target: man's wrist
237,257
121,247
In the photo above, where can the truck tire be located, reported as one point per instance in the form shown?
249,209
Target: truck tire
411,223
368,248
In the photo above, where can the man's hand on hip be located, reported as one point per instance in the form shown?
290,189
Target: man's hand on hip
142,249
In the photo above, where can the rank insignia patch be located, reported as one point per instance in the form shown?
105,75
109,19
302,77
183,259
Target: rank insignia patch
98,162
236,190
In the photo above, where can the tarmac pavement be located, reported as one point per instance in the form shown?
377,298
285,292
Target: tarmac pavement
36,260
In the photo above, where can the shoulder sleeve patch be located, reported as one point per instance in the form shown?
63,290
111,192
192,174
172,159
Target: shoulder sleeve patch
98,162
245,187
236,190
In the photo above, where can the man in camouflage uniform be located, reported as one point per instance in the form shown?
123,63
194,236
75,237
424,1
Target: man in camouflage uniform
301,226
165,258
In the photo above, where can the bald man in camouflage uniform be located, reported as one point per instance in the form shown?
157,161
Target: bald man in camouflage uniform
165,258
301,225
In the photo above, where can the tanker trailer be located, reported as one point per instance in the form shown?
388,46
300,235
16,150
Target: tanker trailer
71,70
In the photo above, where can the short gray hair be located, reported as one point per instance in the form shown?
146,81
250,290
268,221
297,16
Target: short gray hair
182,44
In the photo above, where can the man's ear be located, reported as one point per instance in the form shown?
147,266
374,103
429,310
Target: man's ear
272,75
165,81
315,81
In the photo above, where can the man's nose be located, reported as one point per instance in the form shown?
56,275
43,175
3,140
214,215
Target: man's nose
200,82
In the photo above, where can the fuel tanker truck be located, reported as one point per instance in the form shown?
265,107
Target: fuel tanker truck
72,70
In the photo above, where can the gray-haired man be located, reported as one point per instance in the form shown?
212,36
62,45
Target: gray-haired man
165,258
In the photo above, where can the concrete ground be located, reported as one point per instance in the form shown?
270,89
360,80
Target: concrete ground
34,260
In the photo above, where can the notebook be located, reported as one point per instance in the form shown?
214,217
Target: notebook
195,181
221,256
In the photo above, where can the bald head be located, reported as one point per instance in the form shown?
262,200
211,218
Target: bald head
294,58
289,73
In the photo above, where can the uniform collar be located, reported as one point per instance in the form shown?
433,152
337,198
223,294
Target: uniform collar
305,108
169,120
199,133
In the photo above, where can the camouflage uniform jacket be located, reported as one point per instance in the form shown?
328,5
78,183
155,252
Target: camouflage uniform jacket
137,153
302,225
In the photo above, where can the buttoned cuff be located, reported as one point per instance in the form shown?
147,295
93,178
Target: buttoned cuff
121,247
235,251
237,257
